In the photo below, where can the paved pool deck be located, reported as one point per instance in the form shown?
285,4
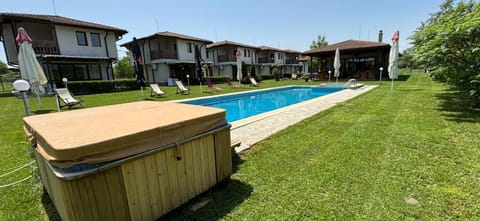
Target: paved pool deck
257,128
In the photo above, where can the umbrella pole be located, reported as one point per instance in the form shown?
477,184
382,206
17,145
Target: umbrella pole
25,103
39,102
56,102
141,91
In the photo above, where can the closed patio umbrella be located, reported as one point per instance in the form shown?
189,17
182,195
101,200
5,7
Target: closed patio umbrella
239,65
198,65
336,64
30,68
138,65
393,59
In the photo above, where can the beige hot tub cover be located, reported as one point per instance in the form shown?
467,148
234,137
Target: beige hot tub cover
102,134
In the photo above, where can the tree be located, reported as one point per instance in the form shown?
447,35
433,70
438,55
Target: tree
321,42
124,69
407,60
276,72
3,68
449,44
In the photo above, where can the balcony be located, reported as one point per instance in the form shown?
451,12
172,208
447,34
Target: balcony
45,47
265,60
291,61
163,54
226,58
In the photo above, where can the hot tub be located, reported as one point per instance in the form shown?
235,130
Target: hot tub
134,161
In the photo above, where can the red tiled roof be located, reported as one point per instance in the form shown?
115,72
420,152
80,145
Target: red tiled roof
303,58
169,35
224,43
184,37
292,51
347,45
58,20
266,48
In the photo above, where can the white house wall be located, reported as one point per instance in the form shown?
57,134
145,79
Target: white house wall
185,56
67,42
161,73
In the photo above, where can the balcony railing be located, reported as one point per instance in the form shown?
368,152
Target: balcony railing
225,58
45,47
291,61
265,60
161,54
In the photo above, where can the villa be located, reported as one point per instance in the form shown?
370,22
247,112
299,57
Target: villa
168,56
222,55
65,47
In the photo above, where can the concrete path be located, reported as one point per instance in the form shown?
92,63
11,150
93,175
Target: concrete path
254,129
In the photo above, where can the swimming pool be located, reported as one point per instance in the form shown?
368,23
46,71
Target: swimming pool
243,105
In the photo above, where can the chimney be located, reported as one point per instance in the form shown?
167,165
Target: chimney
380,36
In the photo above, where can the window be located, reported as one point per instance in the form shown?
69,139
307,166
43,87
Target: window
80,71
245,52
249,53
189,47
82,38
208,54
95,37
95,72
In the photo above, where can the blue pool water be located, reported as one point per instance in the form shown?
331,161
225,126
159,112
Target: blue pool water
240,106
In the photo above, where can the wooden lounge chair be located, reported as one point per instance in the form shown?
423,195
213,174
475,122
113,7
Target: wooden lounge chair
294,76
254,82
67,98
156,91
230,84
211,86
181,89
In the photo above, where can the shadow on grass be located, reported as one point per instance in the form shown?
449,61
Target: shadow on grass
50,209
221,199
43,111
457,107
403,77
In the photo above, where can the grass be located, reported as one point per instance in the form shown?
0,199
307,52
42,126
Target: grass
409,154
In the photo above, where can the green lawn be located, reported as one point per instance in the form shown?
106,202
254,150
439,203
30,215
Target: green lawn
407,154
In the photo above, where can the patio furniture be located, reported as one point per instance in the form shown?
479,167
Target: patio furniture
181,89
211,86
67,98
254,82
230,83
156,91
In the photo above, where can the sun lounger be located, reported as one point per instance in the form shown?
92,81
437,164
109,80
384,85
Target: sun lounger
67,98
230,84
181,89
156,91
211,86
294,77
254,82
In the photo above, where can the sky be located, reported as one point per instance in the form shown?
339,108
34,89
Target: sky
291,24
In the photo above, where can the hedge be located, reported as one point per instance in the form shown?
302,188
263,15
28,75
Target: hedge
106,86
